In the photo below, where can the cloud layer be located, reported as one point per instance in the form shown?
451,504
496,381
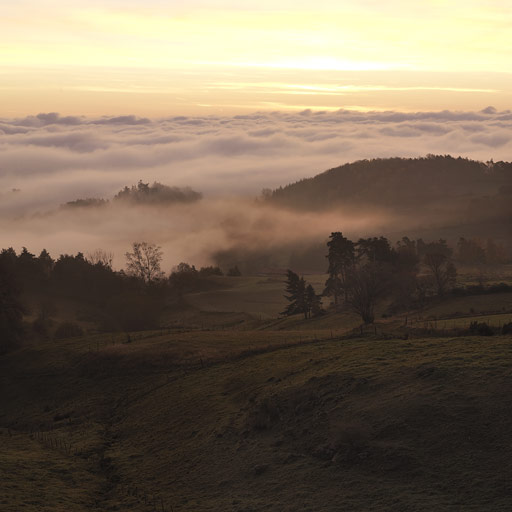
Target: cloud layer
50,159
63,158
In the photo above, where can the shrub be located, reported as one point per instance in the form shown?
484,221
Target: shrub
481,329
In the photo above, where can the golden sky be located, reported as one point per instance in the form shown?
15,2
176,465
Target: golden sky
157,57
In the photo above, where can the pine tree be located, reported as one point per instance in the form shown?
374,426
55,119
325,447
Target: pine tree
341,257
301,299
293,286
313,302
301,296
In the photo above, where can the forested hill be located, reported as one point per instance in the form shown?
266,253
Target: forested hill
400,184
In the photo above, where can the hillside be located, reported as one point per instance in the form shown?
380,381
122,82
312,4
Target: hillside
401,185
253,421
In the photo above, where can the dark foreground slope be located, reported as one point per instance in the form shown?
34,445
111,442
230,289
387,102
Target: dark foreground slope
346,424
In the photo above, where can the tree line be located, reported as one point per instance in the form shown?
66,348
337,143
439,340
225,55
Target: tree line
362,273
126,300
142,193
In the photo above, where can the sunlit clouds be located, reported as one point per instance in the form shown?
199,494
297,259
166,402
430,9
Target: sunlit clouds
158,58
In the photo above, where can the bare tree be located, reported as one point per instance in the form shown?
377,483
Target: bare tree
366,284
100,257
437,257
144,261
341,258
443,271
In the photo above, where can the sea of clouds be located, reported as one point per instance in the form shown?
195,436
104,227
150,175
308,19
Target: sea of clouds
53,158
49,159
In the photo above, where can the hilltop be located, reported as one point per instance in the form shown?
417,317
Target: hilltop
405,185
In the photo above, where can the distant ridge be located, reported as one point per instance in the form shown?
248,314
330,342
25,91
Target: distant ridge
401,185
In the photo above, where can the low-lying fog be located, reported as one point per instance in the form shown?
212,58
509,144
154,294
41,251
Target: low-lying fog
191,232
48,160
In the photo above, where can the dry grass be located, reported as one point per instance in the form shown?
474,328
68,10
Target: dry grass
471,305
260,296
354,424
38,479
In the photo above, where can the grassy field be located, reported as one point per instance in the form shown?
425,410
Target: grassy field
257,420
471,305
484,274
36,477
255,302
261,296
463,322
231,407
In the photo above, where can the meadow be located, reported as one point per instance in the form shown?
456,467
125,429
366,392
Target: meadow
267,419
231,406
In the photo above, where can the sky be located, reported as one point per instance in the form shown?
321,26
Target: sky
158,58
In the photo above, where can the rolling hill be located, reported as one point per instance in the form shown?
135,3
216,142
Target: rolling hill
405,185
256,421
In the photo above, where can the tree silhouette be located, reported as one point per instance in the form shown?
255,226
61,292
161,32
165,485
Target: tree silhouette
184,268
144,193
11,308
183,279
438,260
100,257
144,261
406,286
375,250
341,257
313,302
301,296
234,272
366,284
46,263
295,288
